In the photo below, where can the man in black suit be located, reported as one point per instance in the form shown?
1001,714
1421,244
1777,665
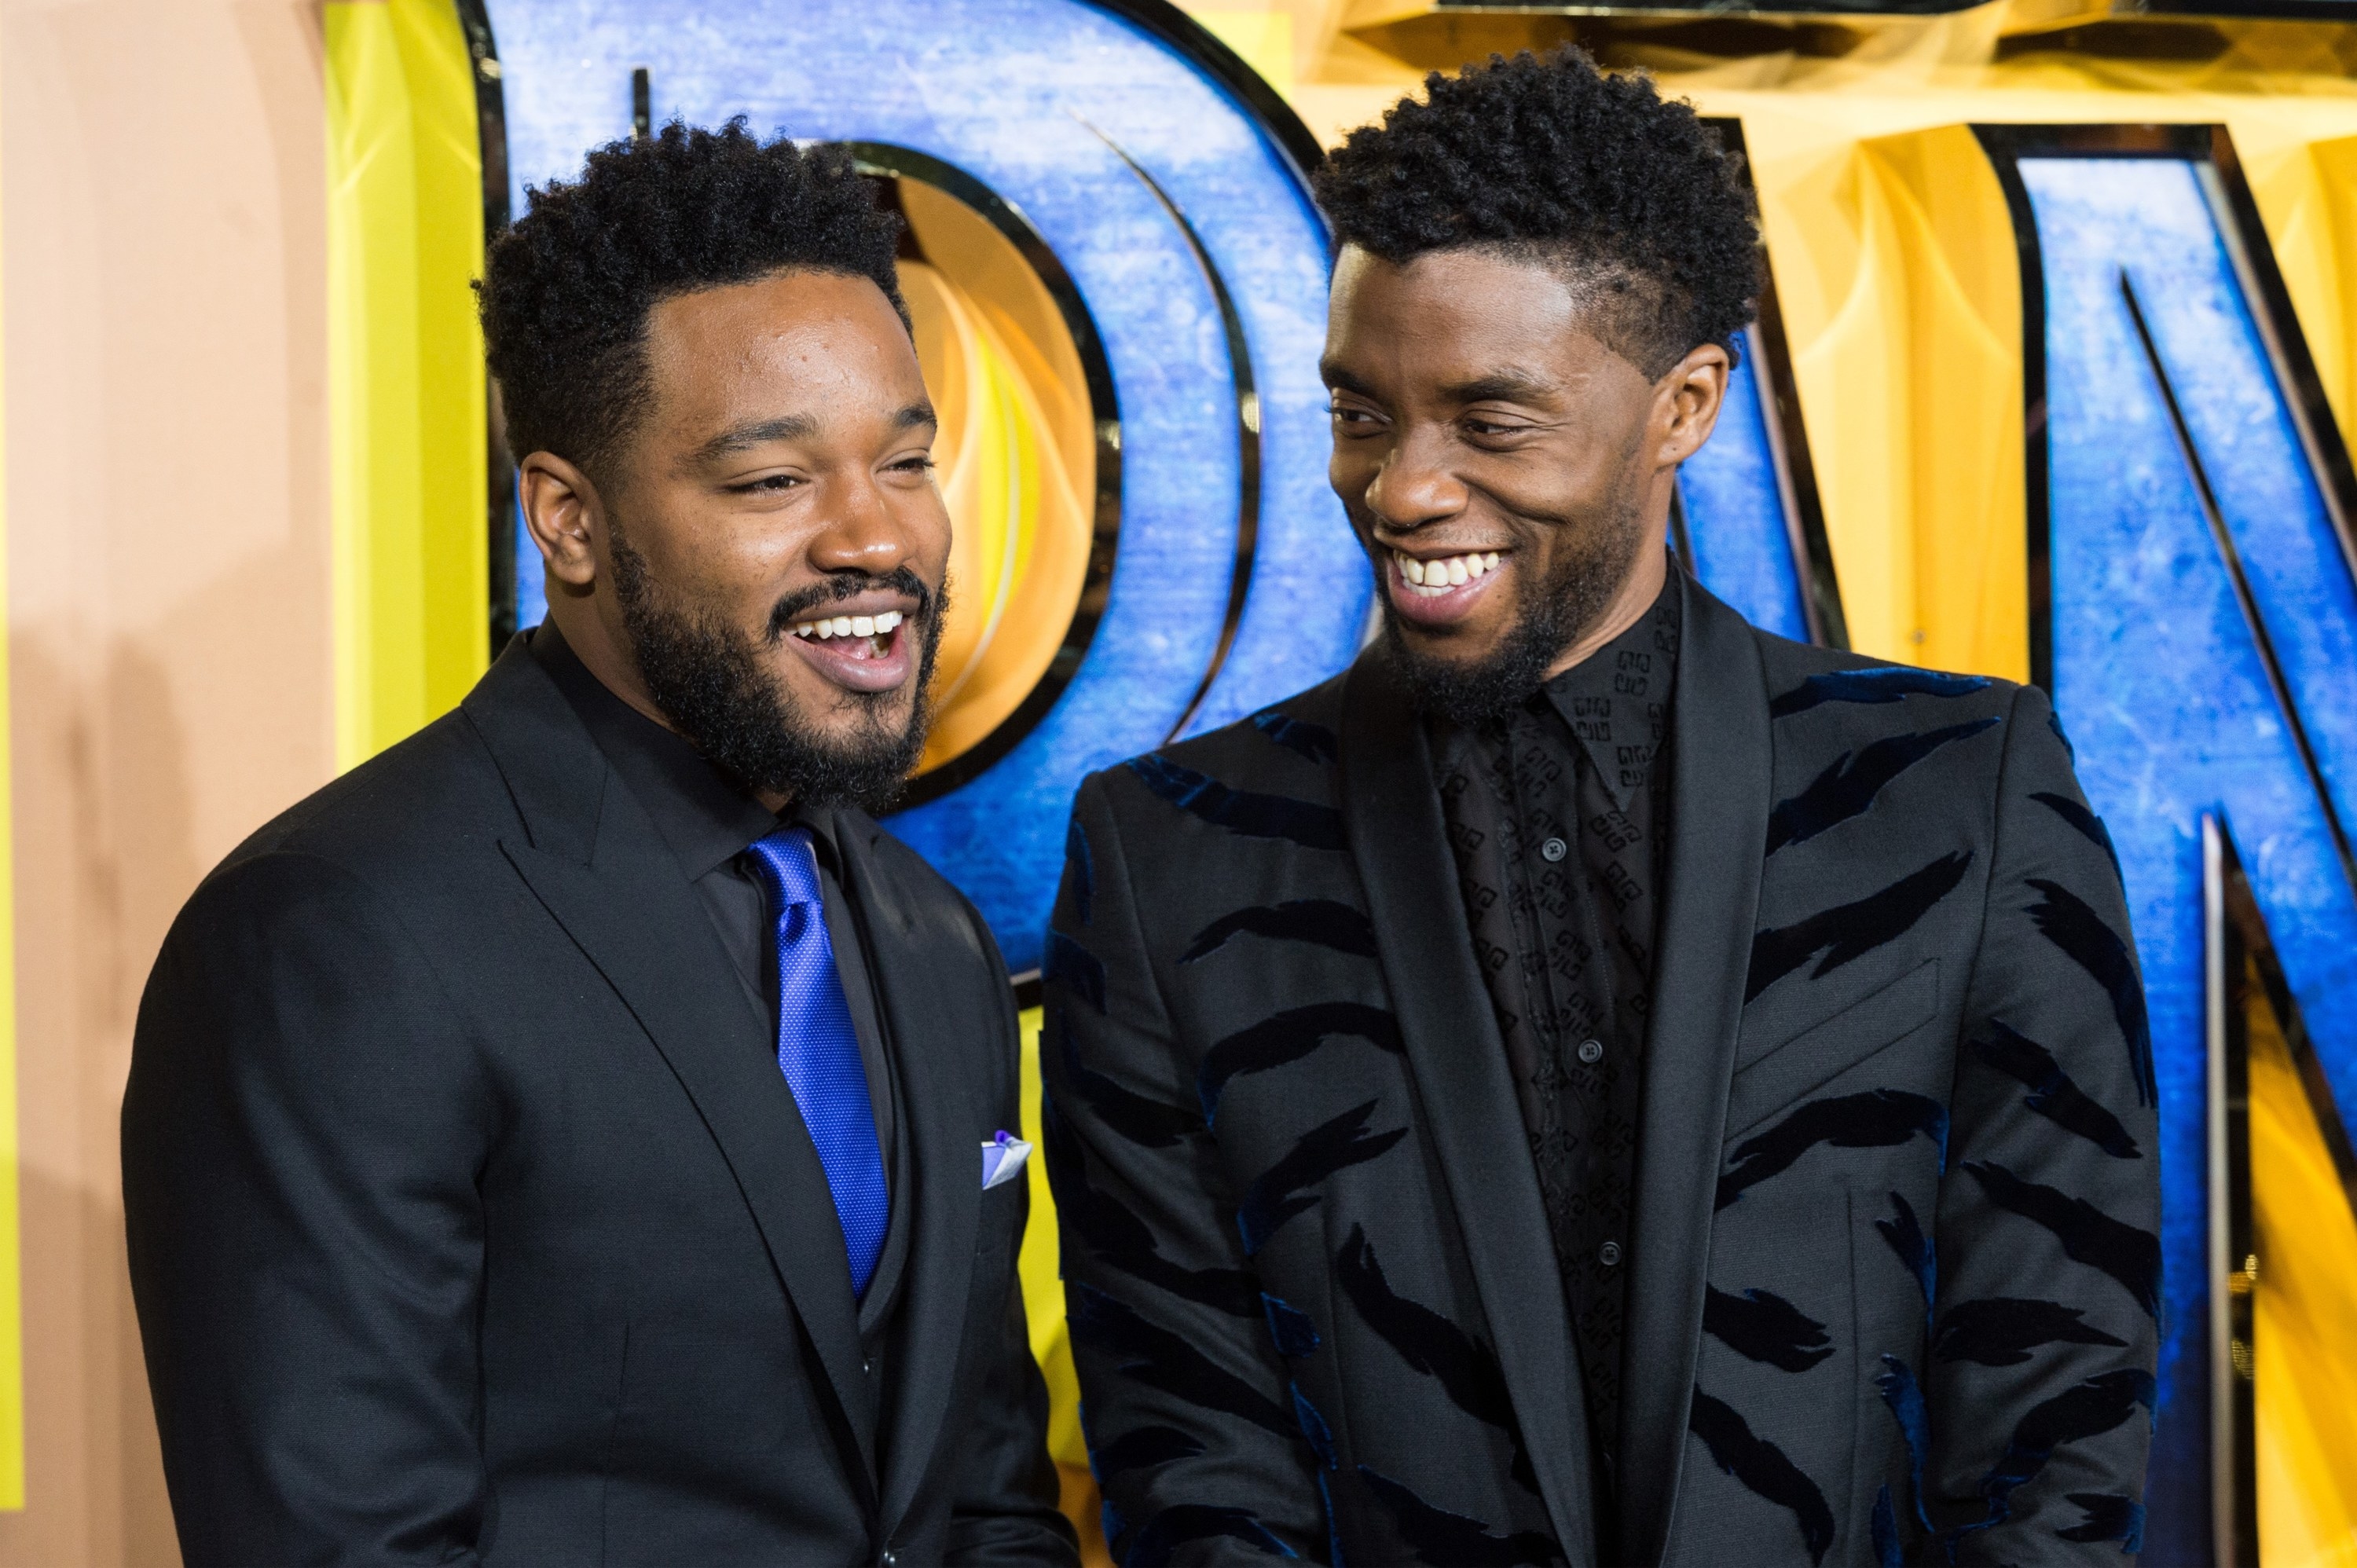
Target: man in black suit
1594,1083
579,1134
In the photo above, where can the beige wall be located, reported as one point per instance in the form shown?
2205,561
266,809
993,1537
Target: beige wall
167,524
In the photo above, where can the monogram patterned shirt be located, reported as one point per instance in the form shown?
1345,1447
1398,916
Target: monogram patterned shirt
1557,819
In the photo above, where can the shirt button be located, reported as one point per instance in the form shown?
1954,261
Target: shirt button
890,1558
1555,849
1608,1254
1591,1051
867,1364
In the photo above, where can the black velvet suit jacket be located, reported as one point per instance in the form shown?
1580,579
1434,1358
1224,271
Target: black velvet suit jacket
472,1222
1894,1259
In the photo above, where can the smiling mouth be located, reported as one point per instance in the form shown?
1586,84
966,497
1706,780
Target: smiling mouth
863,637
866,655
1432,579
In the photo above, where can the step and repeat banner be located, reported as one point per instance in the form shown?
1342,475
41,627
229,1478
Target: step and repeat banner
1118,281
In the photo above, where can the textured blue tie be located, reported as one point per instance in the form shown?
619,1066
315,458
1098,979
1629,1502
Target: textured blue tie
819,1053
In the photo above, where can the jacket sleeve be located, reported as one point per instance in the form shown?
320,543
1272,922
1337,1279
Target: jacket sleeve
1005,1507
301,1132
1190,1420
2045,1333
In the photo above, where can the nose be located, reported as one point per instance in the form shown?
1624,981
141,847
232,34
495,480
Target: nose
1413,486
862,532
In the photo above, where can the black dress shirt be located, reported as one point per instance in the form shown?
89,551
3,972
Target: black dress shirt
710,821
1557,819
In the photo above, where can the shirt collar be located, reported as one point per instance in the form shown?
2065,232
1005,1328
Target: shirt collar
701,812
1609,699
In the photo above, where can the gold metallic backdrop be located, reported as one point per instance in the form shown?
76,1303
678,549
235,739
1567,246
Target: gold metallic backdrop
1015,461
2303,1310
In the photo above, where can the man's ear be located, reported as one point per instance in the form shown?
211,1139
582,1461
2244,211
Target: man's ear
1687,401
564,515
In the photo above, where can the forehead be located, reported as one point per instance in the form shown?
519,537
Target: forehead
812,339
1448,314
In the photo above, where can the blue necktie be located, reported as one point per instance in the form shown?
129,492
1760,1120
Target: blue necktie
819,1053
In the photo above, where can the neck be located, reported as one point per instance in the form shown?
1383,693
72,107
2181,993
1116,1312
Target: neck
1638,592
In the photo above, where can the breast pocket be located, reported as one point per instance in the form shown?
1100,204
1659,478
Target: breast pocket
1824,1051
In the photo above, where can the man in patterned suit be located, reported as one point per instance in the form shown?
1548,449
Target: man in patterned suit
1594,1083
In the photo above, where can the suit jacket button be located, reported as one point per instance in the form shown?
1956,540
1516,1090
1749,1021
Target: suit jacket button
890,1558
867,1365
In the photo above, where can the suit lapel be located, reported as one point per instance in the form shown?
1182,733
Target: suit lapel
931,1021
1401,846
597,864
1718,821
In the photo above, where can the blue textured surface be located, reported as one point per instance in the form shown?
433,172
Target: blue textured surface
2158,681
1008,90
1735,515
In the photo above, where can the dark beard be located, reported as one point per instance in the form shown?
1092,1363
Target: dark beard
708,679
1551,614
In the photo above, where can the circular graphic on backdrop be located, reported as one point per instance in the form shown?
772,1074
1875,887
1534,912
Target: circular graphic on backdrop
1028,457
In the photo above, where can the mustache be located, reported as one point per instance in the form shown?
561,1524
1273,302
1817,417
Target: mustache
796,608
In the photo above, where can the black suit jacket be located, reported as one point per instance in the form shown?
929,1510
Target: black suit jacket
471,1220
1894,1257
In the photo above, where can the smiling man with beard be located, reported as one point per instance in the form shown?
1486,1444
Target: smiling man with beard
1594,1083
578,1135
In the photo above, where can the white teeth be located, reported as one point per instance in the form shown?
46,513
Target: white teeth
1431,578
852,626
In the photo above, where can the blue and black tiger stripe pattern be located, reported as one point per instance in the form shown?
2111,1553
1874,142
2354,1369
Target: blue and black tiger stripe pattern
1928,1329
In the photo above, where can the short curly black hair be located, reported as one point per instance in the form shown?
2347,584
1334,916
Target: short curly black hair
566,290
1548,156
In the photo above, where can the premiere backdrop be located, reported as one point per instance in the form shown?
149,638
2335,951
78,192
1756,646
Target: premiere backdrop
2052,383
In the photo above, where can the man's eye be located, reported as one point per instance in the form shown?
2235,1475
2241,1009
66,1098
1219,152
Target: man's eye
916,465
1351,415
769,484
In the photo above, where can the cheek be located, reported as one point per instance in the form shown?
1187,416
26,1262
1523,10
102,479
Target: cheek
926,532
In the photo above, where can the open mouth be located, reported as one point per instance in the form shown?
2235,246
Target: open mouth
861,654
1440,589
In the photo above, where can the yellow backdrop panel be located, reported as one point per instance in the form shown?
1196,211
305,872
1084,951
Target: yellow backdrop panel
412,559
2304,1317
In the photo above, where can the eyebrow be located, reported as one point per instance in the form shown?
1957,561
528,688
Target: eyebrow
1501,386
1335,376
797,427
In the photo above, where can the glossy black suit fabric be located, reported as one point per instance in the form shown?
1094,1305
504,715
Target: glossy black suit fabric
1895,1254
471,1220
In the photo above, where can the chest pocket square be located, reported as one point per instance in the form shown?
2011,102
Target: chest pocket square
1002,1159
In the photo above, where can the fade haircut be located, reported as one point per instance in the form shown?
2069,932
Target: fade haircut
1630,198
567,289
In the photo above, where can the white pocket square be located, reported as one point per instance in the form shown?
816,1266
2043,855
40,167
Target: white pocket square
1002,1159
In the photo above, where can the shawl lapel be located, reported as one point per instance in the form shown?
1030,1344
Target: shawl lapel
1718,822
1393,819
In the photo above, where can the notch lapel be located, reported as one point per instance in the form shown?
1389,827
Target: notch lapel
929,1020
1392,813
1720,754
631,911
